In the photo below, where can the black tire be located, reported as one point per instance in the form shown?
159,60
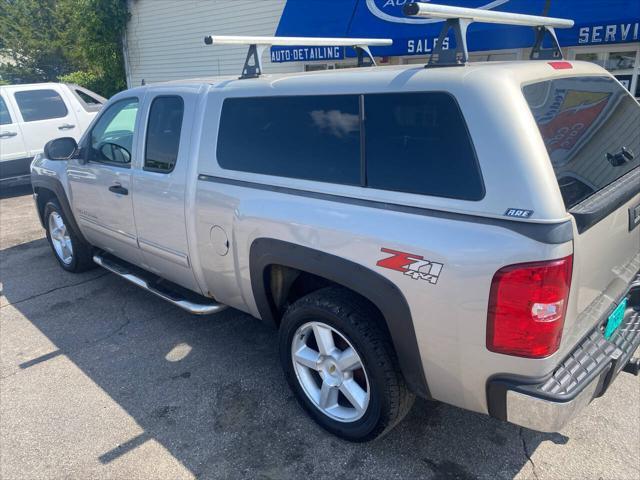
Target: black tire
82,258
360,323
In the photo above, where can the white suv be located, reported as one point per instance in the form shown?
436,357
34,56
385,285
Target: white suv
31,115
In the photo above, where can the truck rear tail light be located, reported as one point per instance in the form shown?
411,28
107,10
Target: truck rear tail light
527,305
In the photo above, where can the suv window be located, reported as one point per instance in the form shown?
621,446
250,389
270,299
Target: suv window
86,98
308,137
5,118
419,143
590,128
111,138
40,105
163,134
90,101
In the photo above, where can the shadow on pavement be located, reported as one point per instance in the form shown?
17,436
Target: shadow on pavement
211,391
15,191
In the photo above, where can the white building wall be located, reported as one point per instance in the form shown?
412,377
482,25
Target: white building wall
165,38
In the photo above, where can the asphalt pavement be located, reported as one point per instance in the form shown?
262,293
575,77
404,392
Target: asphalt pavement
100,379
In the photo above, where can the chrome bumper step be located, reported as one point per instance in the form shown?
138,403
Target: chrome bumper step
172,293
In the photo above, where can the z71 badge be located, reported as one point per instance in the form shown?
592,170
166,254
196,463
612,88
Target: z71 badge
412,265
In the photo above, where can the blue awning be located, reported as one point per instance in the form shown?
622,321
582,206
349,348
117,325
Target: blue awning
597,22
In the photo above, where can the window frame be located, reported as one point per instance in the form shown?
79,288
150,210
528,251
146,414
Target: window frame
60,96
146,136
6,107
87,144
362,146
89,108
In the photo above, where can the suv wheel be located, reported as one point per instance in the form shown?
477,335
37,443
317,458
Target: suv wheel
340,363
73,254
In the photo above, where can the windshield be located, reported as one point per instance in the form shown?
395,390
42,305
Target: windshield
591,128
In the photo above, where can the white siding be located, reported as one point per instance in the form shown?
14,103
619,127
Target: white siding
165,38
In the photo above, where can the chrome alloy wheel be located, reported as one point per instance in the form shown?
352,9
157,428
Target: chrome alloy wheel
330,372
60,238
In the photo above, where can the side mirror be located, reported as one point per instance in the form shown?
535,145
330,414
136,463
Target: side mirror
61,149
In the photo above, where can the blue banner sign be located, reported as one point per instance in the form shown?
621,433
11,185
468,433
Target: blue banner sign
597,22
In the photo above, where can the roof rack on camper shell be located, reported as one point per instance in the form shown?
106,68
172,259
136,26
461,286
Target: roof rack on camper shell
456,18
459,19
257,44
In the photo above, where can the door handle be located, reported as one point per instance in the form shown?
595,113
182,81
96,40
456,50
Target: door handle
66,126
119,189
8,134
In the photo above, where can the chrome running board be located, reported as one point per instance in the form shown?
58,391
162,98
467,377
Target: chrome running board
174,294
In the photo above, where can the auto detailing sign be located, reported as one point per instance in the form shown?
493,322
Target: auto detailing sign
306,54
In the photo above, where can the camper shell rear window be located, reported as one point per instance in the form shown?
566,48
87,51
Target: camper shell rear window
590,126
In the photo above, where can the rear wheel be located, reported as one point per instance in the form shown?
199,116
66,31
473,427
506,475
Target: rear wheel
73,253
339,361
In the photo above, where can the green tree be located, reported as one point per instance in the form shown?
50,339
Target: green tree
30,46
77,41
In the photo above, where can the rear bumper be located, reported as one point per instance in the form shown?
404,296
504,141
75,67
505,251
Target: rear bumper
548,403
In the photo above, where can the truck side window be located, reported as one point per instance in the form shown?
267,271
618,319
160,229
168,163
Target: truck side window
419,143
111,139
308,137
5,118
40,105
163,134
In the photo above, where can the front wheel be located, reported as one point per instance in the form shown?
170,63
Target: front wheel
338,360
73,253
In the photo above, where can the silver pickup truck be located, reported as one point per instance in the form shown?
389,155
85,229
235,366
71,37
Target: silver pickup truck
466,234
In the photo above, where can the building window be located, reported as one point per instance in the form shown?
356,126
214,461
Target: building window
622,61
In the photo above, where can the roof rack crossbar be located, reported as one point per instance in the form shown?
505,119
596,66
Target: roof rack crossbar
257,44
458,19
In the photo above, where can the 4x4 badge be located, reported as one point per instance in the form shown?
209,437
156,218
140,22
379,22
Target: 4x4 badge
412,265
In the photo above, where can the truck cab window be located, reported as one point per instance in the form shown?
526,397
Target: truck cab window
111,139
163,134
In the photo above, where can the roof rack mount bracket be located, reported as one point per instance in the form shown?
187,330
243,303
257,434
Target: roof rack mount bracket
458,19
441,56
253,64
540,53
363,52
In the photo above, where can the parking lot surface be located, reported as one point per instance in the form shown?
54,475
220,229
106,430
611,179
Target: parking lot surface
100,379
